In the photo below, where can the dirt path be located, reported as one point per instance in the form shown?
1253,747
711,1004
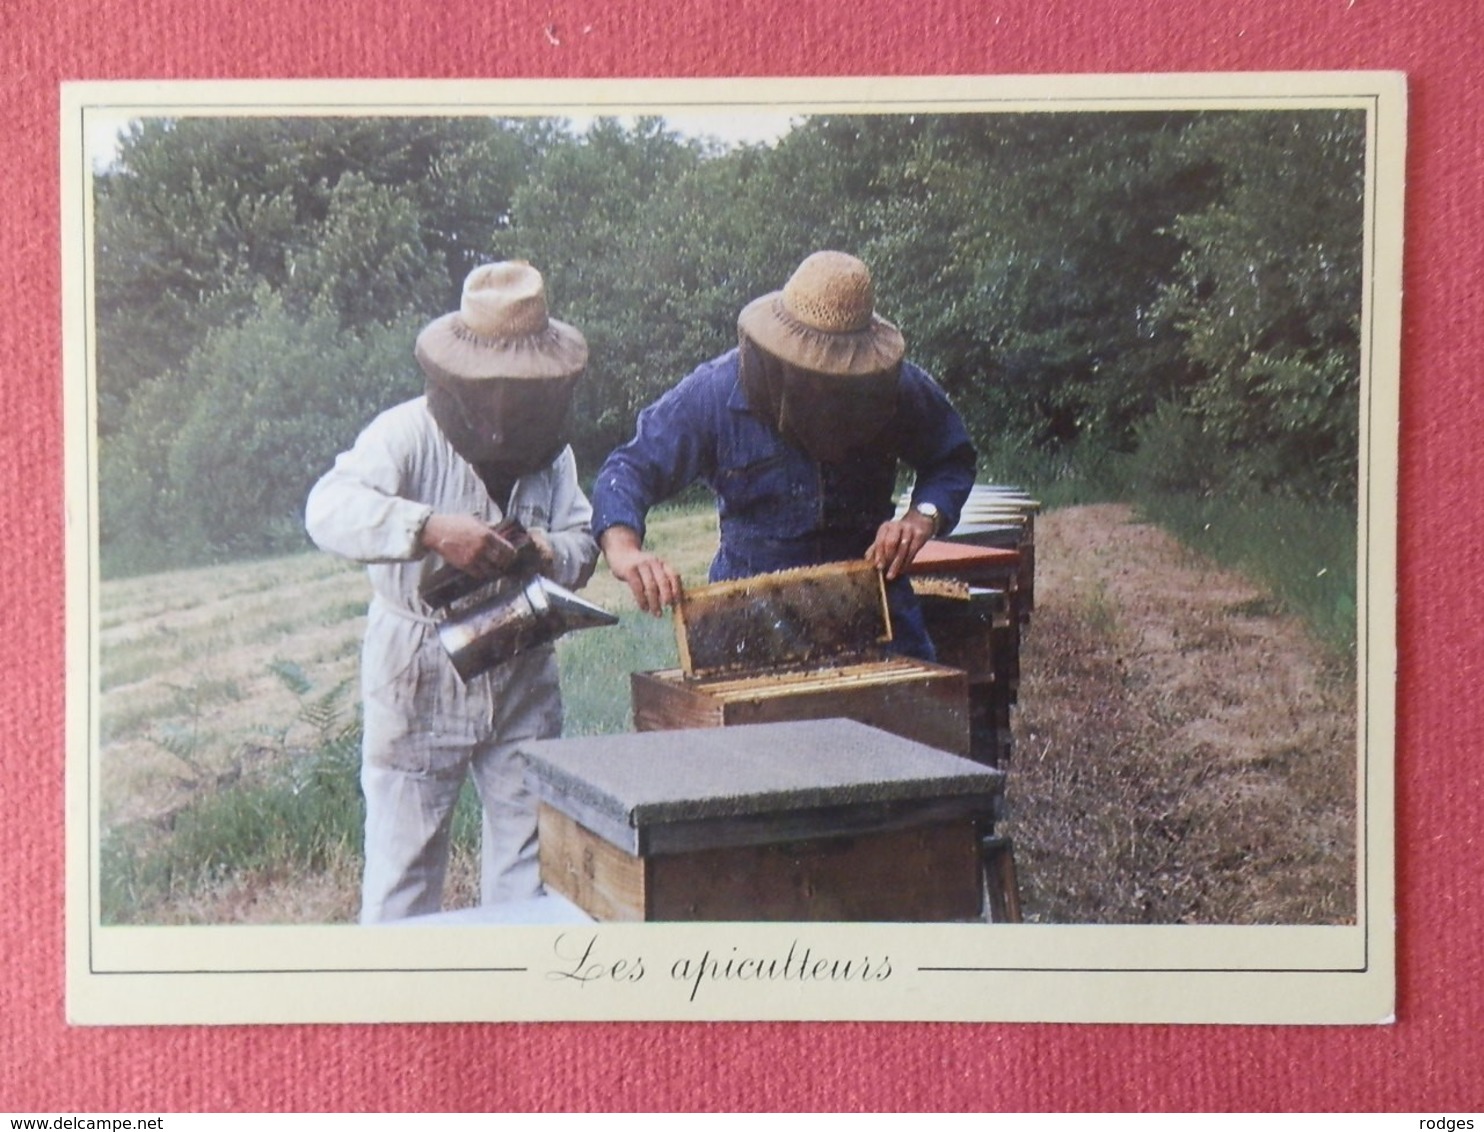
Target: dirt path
1184,753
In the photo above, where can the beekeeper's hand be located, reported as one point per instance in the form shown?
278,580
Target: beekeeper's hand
466,543
898,541
653,581
545,555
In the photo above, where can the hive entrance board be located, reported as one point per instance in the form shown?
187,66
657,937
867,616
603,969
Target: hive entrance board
792,619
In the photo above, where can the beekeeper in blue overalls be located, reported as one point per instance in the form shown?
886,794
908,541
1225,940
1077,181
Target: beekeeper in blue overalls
798,432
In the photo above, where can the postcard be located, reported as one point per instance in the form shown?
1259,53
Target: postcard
863,548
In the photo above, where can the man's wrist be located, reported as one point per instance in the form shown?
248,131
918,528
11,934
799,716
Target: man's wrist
620,539
930,514
422,537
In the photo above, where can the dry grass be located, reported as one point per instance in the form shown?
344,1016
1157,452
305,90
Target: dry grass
1183,754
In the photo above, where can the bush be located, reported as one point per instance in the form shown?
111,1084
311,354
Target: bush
1172,453
262,410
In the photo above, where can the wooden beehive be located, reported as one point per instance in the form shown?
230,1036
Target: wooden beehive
988,566
996,515
973,628
808,820
977,628
800,645
1003,517
972,605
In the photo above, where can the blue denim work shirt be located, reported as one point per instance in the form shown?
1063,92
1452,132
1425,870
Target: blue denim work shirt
778,507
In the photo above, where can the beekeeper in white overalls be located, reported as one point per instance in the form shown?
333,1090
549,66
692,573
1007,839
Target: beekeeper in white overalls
424,485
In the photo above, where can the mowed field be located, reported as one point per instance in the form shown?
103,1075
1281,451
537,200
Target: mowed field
226,683
1184,751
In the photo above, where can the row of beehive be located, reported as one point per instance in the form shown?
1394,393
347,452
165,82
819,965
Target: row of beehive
799,650
977,589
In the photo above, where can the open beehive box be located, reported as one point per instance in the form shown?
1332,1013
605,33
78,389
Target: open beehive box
1000,517
800,645
968,595
807,820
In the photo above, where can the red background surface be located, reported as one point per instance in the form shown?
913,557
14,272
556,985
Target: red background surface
1430,1060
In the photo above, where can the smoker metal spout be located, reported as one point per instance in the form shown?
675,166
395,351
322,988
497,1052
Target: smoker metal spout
514,622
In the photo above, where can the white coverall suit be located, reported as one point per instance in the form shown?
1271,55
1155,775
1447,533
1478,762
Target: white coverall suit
425,728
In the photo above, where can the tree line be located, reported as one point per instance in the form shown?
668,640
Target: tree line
1181,288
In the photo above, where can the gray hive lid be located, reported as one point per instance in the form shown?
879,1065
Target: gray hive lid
1005,536
994,493
674,791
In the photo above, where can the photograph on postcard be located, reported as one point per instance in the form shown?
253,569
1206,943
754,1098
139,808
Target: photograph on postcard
920,548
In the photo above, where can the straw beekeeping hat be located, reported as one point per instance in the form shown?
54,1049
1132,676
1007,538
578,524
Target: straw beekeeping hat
501,330
824,320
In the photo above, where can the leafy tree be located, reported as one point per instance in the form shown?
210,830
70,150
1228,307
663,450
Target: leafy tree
1030,250
369,264
1182,284
382,215
1268,297
261,411
587,218
187,222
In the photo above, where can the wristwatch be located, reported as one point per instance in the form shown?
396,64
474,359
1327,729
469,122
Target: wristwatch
930,510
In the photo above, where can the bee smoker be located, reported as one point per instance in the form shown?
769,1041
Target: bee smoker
535,613
487,623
